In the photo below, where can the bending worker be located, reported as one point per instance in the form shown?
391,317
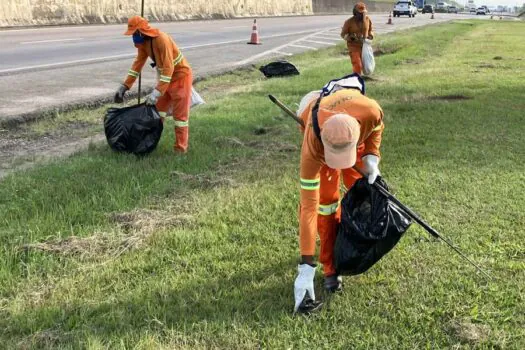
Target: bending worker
355,30
173,91
345,131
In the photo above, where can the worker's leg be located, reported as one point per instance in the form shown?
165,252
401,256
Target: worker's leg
164,105
327,217
355,57
181,94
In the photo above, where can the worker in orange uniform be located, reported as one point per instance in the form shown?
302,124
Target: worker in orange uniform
343,129
355,30
175,79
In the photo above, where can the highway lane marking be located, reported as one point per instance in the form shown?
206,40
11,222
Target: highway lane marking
131,55
48,41
284,53
303,46
328,38
318,42
293,43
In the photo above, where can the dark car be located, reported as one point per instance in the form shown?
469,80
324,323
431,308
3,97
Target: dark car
452,9
428,9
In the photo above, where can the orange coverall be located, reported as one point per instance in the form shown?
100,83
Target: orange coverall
319,208
356,31
175,82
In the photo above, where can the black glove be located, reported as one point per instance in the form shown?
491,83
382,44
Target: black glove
119,95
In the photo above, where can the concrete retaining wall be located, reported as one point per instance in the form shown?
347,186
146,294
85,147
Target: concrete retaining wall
47,12
346,6
56,12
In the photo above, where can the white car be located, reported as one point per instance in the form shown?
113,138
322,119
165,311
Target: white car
481,11
405,7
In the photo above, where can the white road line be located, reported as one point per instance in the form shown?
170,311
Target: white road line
318,42
105,58
303,46
292,43
338,38
51,65
284,53
235,27
48,41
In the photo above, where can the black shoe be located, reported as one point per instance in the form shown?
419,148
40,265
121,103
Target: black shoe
308,305
333,283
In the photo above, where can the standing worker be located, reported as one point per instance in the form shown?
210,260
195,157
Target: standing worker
175,79
343,129
355,30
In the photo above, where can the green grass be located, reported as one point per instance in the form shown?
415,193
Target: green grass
200,251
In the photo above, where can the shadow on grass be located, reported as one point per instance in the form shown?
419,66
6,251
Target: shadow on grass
260,297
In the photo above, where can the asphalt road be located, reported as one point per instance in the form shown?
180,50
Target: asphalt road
43,69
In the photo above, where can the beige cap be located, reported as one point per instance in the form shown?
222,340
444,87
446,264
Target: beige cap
340,134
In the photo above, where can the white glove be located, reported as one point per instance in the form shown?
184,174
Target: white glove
152,98
304,283
371,163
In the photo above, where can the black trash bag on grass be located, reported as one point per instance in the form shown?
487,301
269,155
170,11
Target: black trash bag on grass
279,69
136,129
370,227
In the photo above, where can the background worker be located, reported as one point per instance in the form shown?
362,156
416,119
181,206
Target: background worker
350,130
355,30
175,79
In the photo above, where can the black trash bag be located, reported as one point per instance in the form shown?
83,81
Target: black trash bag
279,69
370,227
136,129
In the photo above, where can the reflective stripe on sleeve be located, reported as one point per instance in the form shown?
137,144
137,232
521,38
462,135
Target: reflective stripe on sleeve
132,73
180,123
328,209
311,185
165,79
163,114
178,59
378,127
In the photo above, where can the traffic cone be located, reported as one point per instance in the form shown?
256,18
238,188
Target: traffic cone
254,40
432,17
389,18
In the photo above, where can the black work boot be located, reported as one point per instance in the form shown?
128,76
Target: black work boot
333,283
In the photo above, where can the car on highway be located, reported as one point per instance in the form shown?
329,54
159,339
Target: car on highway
405,7
428,9
481,11
452,9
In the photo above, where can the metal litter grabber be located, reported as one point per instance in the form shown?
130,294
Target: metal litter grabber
410,213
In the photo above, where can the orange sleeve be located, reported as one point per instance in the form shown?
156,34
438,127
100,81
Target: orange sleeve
164,60
136,67
346,28
370,29
310,183
373,141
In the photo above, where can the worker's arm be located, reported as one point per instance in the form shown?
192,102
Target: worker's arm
164,56
373,141
310,183
136,67
370,29
345,31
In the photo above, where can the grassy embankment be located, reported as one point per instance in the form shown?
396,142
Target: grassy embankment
107,250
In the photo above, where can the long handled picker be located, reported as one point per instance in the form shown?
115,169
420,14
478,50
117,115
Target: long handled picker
392,198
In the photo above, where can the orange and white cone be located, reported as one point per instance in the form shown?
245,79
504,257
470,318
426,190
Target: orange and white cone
389,18
254,40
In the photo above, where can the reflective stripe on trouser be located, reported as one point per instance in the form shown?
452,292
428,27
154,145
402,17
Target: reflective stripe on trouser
178,99
330,212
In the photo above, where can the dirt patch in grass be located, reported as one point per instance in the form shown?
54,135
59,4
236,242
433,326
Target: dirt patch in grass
450,98
204,181
486,65
45,339
468,332
497,58
135,227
